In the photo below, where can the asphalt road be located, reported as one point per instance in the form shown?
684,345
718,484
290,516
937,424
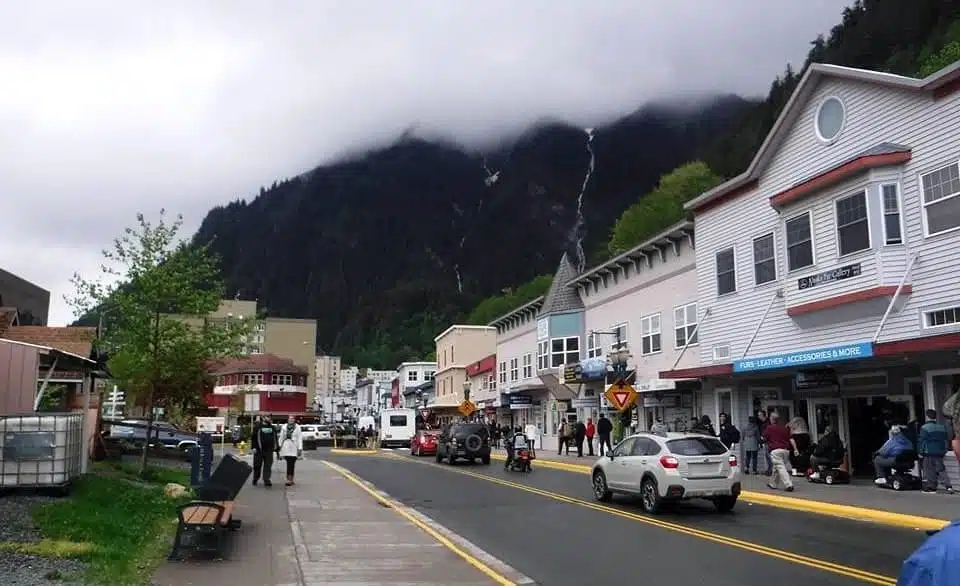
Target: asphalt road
547,526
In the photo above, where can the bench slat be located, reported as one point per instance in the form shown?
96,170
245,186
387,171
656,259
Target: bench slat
206,515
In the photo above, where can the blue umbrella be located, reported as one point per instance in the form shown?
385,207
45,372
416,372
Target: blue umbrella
936,562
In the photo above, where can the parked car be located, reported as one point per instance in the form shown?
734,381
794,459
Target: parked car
669,467
424,443
162,432
309,433
467,441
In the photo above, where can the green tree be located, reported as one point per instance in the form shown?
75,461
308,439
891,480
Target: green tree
948,55
493,307
662,207
158,290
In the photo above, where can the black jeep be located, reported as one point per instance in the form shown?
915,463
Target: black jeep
467,441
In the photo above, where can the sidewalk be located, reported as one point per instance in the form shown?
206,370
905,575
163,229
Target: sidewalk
324,530
861,497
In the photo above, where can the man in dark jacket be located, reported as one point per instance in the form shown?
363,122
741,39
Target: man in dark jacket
264,443
579,434
604,429
729,434
932,447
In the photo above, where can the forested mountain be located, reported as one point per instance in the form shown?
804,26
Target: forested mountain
388,248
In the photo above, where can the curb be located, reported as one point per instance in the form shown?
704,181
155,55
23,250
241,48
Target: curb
353,452
901,520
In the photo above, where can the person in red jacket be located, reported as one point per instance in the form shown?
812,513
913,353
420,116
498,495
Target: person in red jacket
777,436
591,431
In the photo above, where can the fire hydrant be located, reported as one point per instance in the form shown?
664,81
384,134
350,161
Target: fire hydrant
242,447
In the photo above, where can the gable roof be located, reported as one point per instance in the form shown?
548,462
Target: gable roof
794,107
72,340
561,297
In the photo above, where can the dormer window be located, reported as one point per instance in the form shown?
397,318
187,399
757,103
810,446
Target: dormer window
829,119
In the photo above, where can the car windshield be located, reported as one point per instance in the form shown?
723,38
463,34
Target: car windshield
697,446
307,428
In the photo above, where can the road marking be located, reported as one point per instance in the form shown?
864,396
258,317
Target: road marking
902,520
810,562
425,523
353,452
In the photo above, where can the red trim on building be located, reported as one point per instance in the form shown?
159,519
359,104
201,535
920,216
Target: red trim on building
947,89
217,401
927,344
481,366
728,196
698,372
838,174
847,298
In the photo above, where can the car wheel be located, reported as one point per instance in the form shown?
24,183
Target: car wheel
600,490
829,479
485,460
896,484
725,504
650,496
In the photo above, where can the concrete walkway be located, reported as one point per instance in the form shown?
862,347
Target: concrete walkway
327,529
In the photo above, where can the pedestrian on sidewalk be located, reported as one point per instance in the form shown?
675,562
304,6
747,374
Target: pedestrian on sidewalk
777,437
763,420
932,447
591,431
264,444
604,429
659,427
751,445
729,434
799,446
579,434
291,446
566,436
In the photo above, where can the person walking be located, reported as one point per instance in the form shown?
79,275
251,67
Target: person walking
777,436
579,434
591,431
932,447
604,429
751,445
264,444
291,446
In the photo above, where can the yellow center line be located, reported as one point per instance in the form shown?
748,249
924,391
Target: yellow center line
810,562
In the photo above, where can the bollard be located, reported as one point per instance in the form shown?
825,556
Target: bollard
205,444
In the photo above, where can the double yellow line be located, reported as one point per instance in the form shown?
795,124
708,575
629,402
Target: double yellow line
817,564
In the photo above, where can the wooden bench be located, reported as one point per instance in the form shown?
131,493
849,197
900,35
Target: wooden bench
202,528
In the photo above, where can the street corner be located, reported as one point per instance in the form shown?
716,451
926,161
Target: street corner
492,567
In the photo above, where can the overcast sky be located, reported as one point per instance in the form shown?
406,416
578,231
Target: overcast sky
112,107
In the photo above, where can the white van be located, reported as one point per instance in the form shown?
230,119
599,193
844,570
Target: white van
397,427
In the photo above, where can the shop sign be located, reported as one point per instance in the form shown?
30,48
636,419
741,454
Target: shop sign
662,401
805,357
587,403
521,401
837,274
656,384
591,369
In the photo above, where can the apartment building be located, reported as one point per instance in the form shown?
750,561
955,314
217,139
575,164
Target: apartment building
348,379
327,375
456,347
827,271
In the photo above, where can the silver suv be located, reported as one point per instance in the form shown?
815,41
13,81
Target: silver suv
669,467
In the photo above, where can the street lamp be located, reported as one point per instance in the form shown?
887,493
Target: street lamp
466,389
619,359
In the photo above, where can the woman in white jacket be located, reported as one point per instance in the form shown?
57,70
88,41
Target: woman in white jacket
291,446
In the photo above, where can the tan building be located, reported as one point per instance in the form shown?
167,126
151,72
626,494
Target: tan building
328,375
293,339
458,347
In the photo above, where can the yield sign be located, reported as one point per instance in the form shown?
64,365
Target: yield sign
621,395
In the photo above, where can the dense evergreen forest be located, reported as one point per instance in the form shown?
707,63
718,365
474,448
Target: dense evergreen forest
388,248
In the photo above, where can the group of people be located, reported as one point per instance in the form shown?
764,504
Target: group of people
267,439
578,433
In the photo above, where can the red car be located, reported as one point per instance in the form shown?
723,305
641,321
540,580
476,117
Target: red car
424,443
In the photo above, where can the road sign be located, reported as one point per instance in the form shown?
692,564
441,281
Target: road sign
621,395
467,408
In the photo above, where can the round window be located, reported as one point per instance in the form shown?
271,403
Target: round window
830,119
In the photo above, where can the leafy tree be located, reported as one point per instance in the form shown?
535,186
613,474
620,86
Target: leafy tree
493,307
662,207
947,56
158,290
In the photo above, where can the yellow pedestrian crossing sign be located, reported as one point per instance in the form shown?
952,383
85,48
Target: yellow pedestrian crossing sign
467,408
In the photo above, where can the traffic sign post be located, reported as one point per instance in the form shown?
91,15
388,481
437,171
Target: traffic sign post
621,395
467,408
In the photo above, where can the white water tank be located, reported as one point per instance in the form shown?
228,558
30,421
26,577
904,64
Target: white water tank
40,450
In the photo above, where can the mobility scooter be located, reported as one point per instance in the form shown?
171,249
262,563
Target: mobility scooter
830,472
901,476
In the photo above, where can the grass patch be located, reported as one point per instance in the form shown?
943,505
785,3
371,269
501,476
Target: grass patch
122,524
52,548
154,475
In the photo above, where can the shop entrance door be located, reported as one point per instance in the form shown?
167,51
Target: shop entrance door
784,409
830,412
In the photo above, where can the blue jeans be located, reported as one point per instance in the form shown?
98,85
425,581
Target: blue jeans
751,461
